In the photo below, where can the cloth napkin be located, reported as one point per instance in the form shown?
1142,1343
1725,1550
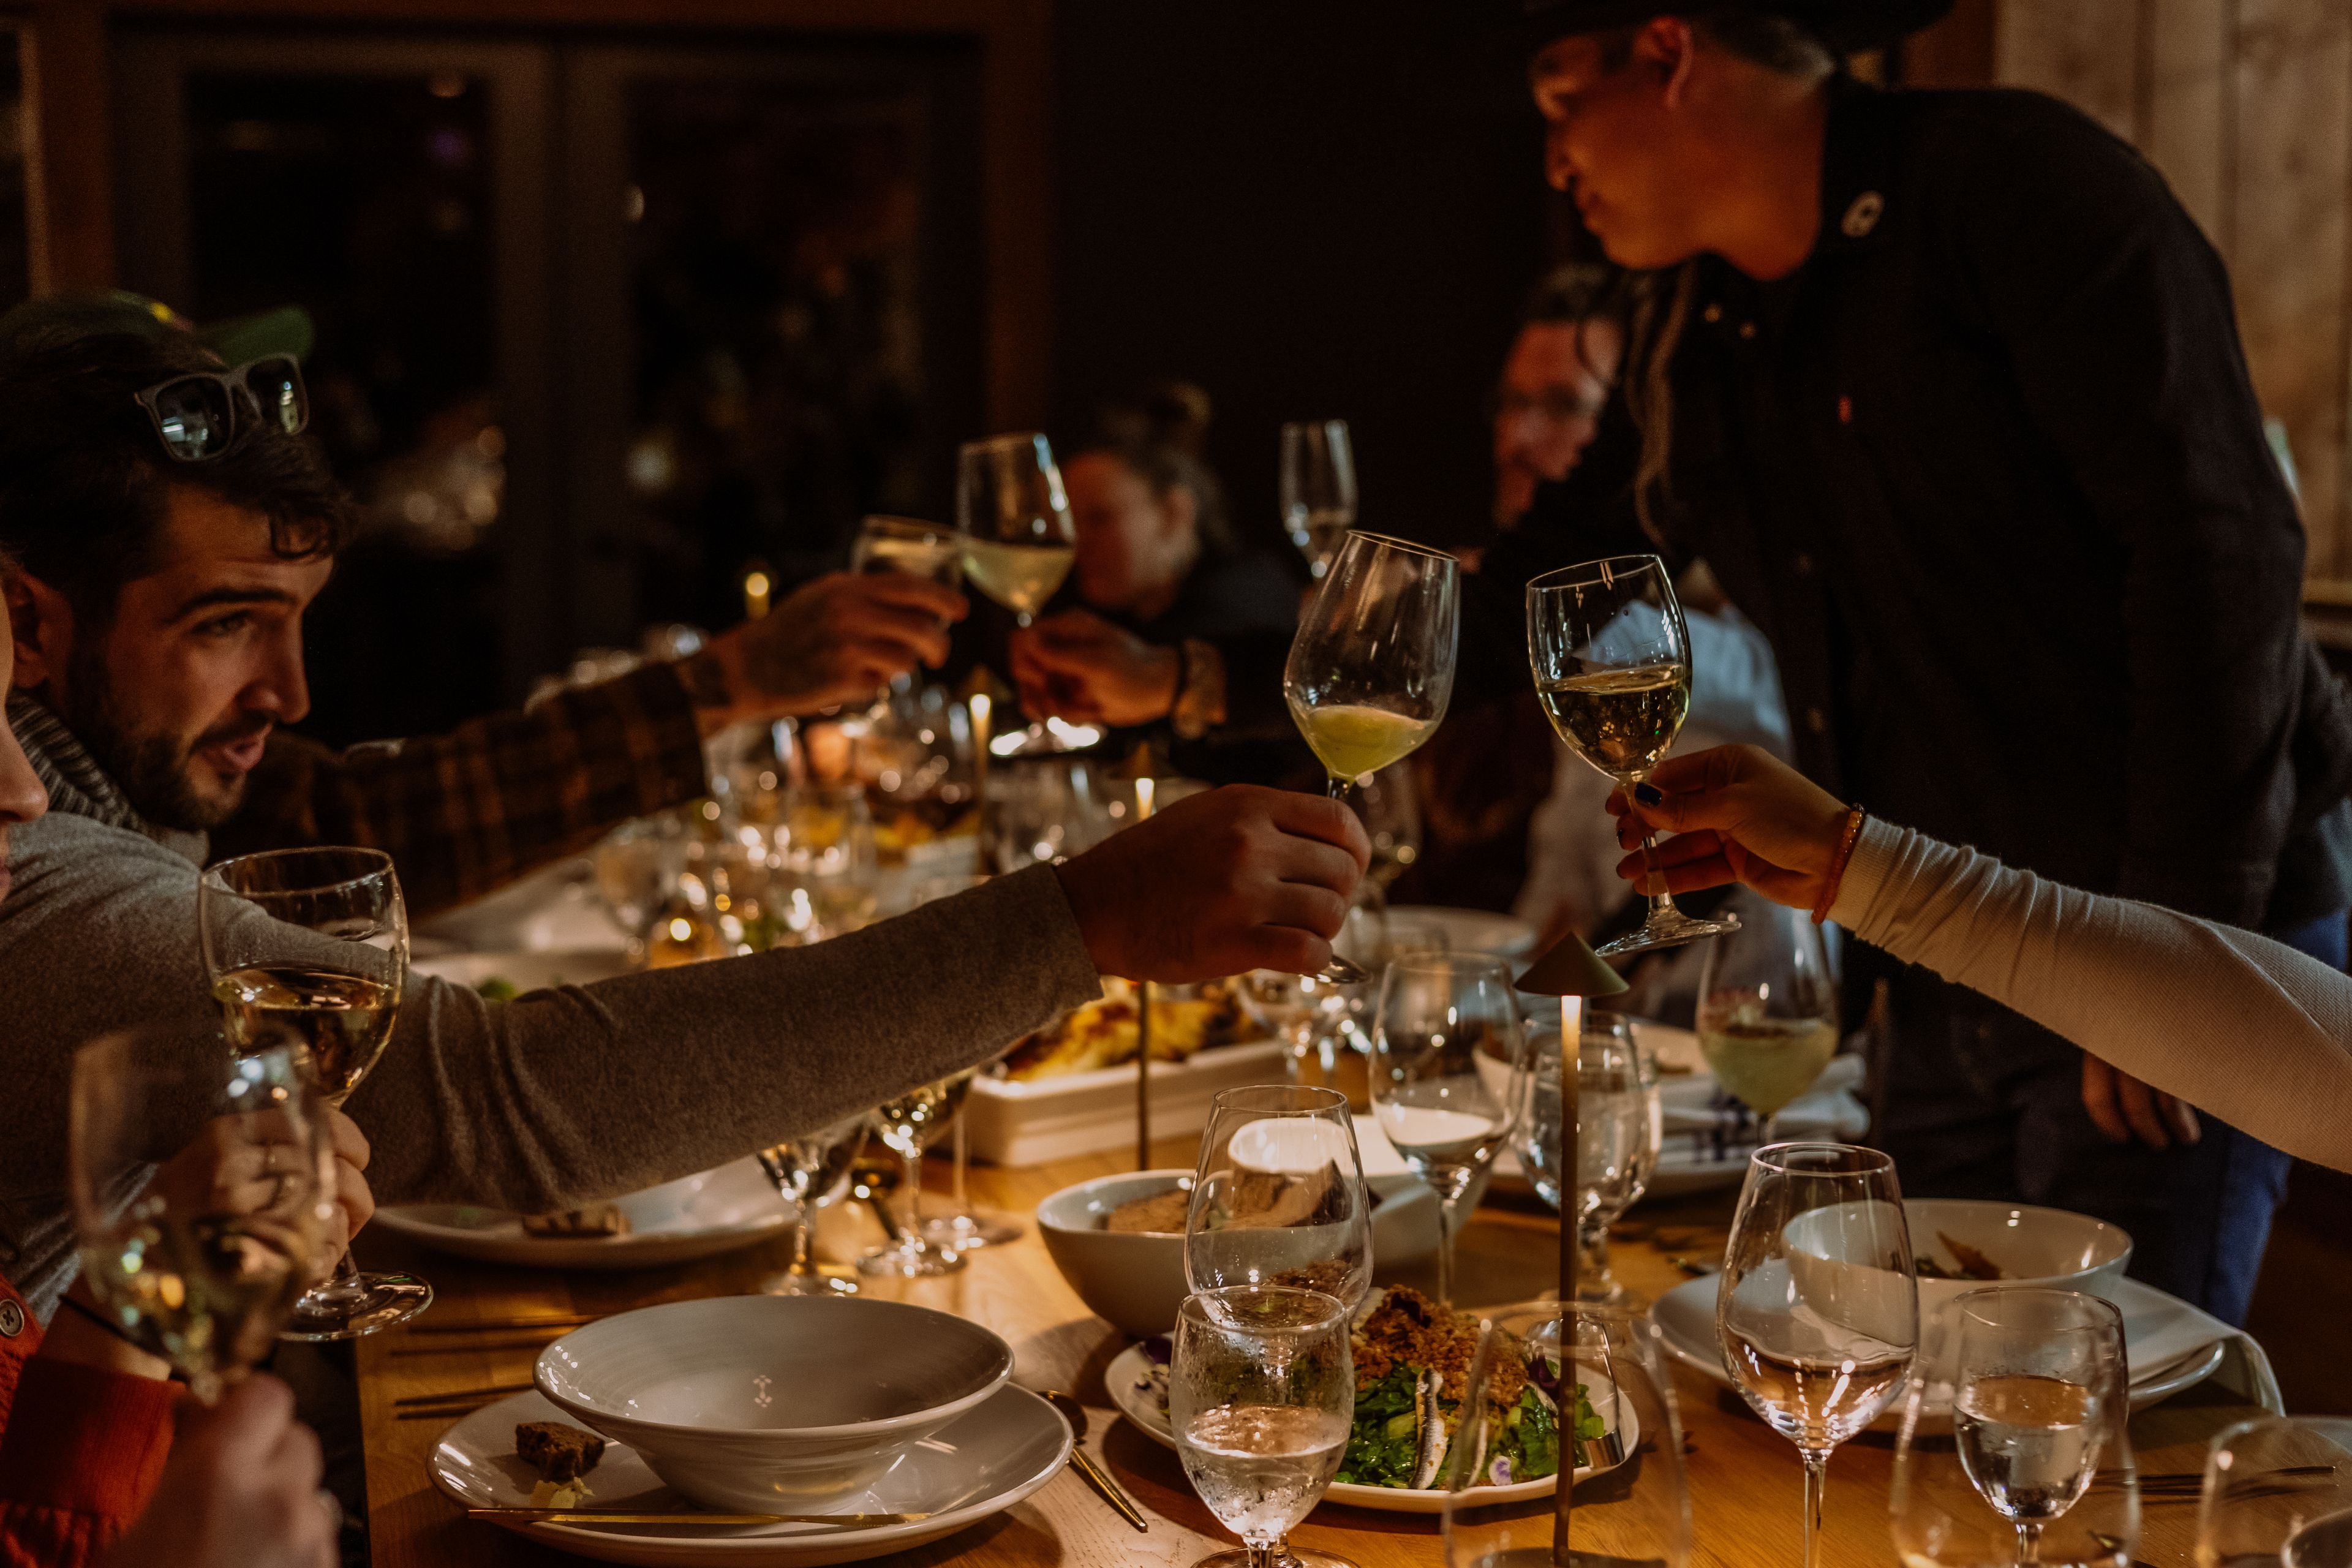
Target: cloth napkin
2163,1330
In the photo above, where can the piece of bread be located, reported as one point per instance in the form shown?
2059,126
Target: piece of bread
1161,1213
559,1452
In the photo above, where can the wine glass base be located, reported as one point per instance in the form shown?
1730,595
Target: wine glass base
811,1284
1291,1557
911,1259
961,1232
1668,930
362,1304
1343,972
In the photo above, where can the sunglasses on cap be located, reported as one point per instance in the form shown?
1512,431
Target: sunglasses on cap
200,415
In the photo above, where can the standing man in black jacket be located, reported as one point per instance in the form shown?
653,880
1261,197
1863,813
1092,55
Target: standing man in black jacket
1947,388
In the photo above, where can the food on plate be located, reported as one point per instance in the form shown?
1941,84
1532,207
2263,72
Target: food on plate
1972,1264
574,1225
562,1455
1412,1369
1161,1213
1103,1033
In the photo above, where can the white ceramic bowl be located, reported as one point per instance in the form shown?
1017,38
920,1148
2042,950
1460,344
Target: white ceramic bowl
771,1403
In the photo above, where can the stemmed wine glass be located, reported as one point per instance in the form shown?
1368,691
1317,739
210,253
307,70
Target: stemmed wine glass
1767,1017
1621,1130
309,947
1019,540
916,548
2040,1460
1319,489
1278,1195
1612,660
907,1124
1260,1391
203,1191
1449,1075
810,1171
2278,1490
1817,1308
1372,669
962,1227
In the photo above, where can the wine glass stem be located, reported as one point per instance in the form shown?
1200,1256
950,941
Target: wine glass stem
2029,1542
1817,1480
802,1263
1267,1554
1445,1251
1594,1280
913,1156
1661,902
962,1154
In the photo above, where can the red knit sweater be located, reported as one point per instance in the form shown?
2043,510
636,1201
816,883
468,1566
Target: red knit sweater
79,1449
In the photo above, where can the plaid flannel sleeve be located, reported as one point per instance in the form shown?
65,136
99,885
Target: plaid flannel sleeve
463,814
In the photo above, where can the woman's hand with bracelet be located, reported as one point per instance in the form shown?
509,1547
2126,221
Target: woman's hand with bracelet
1739,814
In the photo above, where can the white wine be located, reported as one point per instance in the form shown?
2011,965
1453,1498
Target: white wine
1620,721
1816,1401
913,1119
2029,1444
1764,1062
1319,530
207,1294
1352,740
1260,1468
1020,578
344,1020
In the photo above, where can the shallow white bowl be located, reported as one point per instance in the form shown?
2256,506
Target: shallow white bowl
771,1404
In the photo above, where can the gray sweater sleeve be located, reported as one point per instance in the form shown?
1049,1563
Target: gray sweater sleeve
2245,1027
584,1091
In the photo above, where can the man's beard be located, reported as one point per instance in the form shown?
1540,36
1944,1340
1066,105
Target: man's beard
153,769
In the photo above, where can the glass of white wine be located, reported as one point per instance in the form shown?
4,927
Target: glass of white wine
202,1191
810,1171
1018,537
1261,1391
1817,1308
309,947
907,1124
913,548
1319,489
1612,661
1767,1013
1449,1076
2039,1466
1372,669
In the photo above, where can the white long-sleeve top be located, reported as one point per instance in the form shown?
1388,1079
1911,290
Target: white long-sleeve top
2245,1027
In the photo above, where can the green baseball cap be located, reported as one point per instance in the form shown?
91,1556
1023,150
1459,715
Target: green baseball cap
55,318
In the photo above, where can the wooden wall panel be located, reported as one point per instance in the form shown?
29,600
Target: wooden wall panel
2190,97
2085,51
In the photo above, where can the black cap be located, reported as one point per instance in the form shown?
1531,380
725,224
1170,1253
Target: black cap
1844,25
57,319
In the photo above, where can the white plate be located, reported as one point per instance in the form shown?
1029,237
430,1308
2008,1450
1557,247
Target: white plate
1131,1391
1467,931
1686,1319
696,1216
981,1464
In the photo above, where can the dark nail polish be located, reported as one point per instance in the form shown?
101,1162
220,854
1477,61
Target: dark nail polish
1648,795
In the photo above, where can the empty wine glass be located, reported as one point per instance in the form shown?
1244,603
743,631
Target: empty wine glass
1278,1195
1612,669
203,1193
2039,1465
311,947
637,867
1817,1308
1621,1132
1371,668
2278,1490
962,1227
1319,489
810,1171
827,866
1626,1425
1260,1391
1449,1075
906,1125
1767,1017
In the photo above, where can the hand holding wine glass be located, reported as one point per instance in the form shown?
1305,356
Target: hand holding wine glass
1612,661
1372,669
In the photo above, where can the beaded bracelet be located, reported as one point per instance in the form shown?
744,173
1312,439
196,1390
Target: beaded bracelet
1837,867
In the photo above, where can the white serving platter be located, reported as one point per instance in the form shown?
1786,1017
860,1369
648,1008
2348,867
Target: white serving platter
1013,1123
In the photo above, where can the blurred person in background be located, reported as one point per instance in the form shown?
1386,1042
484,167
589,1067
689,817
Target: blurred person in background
1558,377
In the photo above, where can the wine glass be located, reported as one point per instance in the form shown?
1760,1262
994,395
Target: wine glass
1621,1130
1319,489
1767,1017
202,1193
311,947
1278,1195
1817,1308
809,1172
2040,1460
1018,538
829,865
637,866
913,548
2278,1490
1390,805
1627,1425
1449,1075
962,1227
1612,660
1261,1391
1372,666
907,1124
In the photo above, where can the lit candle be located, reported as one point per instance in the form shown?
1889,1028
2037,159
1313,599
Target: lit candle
980,707
756,589
1572,1041
1143,788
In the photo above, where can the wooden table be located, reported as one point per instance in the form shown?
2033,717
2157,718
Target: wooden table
1745,1481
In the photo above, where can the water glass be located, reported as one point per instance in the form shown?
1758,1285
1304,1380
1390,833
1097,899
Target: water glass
1621,1132
2278,1490
1278,1195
